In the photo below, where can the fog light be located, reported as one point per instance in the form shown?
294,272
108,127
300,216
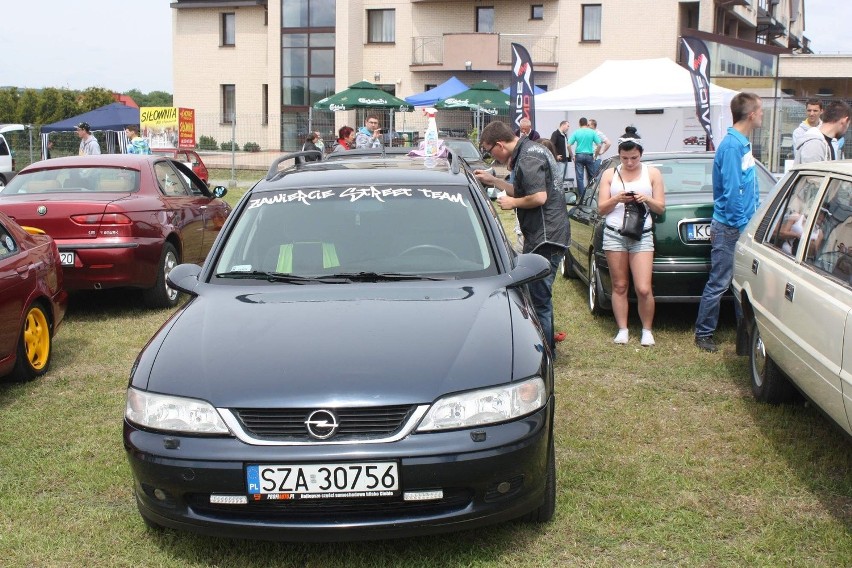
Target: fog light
229,499
503,487
423,495
160,494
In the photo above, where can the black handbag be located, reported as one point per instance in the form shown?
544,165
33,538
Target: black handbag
635,213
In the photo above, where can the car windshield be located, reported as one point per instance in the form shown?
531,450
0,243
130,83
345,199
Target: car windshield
393,231
73,180
695,175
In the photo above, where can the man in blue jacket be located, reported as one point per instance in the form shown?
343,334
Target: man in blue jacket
735,200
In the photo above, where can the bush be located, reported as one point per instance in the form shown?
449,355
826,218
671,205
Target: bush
207,143
252,147
226,146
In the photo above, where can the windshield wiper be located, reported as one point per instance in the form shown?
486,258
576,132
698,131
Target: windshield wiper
382,276
282,277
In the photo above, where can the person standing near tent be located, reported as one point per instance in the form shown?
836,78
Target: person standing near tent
584,155
88,144
345,139
819,144
525,129
735,200
369,135
559,139
135,143
601,148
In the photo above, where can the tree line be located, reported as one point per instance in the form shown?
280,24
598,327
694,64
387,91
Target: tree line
44,106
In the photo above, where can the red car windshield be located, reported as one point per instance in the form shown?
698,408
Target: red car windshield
71,180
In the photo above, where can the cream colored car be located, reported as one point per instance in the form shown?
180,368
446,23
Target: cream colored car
793,279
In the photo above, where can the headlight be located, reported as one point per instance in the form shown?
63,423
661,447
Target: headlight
173,413
486,406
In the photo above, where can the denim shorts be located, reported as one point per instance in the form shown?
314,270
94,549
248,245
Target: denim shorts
618,243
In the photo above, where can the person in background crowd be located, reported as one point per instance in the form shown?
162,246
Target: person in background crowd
547,144
819,144
601,148
584,155
536,194
49,148
320,143
369,135
311,144
345,139
813,112
135,143
638,182
88,144
735,199
559,139
525,129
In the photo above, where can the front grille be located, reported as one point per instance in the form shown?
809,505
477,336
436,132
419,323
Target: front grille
333,510
288,424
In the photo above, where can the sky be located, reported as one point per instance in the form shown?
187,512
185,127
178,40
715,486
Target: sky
126,44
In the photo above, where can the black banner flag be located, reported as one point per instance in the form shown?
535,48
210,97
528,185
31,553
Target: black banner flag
521,93
695,57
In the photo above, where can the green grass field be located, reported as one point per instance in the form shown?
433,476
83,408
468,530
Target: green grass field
663,459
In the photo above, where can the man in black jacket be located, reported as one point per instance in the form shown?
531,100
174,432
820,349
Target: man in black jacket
559,139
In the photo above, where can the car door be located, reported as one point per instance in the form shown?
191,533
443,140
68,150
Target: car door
806,298
583,217
187,209
15,282
215,210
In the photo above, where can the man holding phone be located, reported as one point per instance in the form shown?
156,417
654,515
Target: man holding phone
369,135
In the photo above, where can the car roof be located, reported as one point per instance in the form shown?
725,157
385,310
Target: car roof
364,168
831,166
134,161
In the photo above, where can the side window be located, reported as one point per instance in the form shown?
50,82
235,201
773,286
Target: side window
4,149
830,239
791,220
171,182
8,246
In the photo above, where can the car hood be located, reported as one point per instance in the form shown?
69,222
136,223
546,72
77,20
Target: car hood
349,344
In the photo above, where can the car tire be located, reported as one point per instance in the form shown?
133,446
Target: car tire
566,266
595,305
35,345
768,383
545,512
161,295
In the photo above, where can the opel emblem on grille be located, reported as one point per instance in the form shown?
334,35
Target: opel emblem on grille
42,210
322,424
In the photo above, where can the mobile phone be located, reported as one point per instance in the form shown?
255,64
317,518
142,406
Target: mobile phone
630,193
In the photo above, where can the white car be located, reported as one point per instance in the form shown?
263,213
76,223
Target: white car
7,161
793,279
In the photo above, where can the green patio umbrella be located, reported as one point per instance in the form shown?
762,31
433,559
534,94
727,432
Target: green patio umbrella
363,95
481,98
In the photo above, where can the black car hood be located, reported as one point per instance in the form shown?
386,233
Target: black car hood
349,344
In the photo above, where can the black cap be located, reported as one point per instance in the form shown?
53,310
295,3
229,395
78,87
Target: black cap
84,126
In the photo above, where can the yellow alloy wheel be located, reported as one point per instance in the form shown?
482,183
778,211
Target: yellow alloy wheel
37,338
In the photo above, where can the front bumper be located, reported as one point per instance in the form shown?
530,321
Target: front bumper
483,482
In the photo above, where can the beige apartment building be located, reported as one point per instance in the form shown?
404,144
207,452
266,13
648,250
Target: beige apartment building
252,68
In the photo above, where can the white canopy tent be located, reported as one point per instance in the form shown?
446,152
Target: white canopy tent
654,95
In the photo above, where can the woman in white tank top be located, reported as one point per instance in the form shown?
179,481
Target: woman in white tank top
631,181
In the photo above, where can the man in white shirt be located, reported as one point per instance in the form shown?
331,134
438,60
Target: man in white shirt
601,148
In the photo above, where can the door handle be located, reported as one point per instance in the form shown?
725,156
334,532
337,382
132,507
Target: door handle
789,291
755,264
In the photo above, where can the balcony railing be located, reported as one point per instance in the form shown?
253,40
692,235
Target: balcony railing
429,50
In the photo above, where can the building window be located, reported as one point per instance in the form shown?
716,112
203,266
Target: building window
381,26
485,19
264,104
229,103
591,22
537,12
229,28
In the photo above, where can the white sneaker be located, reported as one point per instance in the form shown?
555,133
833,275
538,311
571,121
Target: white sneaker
647,338
621,337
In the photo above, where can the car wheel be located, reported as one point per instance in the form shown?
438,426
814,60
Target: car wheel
547,509
595,305
161,295
34,346
566,266
768,383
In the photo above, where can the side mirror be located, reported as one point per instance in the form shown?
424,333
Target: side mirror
220,191
184,277
529,267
